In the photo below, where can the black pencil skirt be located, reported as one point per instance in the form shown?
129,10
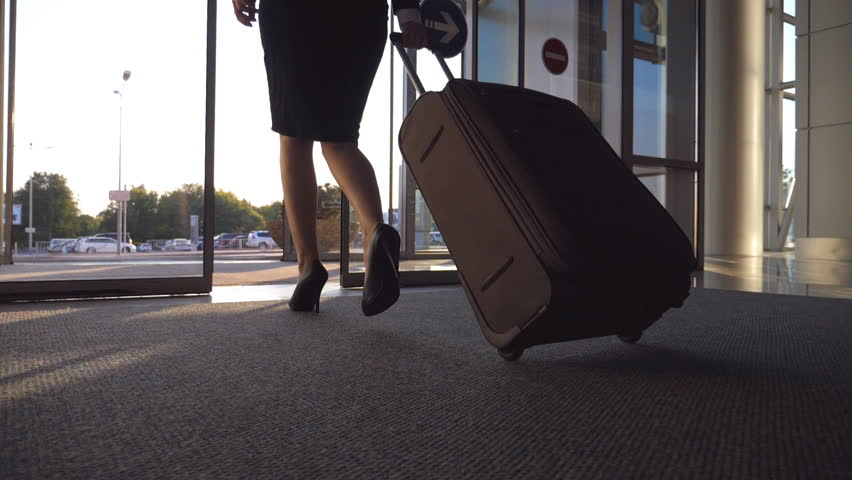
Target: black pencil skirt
321,59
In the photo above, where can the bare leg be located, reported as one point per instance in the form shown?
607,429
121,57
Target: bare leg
356,178
300,196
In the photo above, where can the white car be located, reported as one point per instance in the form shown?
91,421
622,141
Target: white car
102,245
260,239
179,245
60,245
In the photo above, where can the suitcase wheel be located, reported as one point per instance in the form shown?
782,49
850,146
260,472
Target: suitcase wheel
510,354
630,338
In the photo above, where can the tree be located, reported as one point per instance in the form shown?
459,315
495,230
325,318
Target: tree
87,225
106,219
142,213
328,200
273,211
234,215
174,210
55,209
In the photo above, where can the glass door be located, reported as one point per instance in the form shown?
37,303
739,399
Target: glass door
661,106
506,45
108,178
424,258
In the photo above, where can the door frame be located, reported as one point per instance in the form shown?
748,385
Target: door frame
696,91
39,290
410,278
470,65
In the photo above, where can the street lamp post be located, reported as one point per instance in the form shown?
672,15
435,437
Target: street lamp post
30,230
121,211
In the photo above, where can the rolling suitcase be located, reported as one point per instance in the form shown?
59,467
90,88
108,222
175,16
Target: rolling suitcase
554,238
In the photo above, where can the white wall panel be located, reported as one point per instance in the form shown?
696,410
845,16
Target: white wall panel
830,178
829,13
831,76
803,16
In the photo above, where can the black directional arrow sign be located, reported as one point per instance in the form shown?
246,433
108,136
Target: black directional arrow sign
446,26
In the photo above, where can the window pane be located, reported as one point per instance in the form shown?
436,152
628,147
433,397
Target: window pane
109,107
664,79
581,26
788,138
790,7
789,58
498,42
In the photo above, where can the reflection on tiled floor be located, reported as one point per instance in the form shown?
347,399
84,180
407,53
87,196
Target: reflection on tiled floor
779,273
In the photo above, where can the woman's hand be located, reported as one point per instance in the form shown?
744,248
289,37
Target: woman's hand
413,35
245,11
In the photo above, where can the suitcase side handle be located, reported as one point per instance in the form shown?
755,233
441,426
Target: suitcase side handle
396,40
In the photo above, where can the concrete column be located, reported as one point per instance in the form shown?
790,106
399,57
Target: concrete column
735,77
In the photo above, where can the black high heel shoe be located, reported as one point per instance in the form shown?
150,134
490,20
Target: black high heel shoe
306,296
381,288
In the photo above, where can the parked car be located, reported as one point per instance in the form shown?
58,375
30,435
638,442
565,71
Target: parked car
436,239
76,246
144,247
114,236
102,245
179,245
58,244
223,240
67,247
260,239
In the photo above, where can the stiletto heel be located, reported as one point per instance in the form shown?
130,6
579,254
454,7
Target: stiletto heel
306,295
381,288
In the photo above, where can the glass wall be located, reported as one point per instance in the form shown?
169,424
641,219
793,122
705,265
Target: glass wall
664,66
109,136
248,171
498,41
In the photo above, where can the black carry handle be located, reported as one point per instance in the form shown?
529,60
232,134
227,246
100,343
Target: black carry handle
396,40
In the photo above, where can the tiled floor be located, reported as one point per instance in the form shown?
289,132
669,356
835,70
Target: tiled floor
778,273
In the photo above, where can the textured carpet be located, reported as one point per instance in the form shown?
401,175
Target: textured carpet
733,385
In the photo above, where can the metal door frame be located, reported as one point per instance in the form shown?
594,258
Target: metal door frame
35,290
627,155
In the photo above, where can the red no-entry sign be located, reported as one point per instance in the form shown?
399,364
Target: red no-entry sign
555,56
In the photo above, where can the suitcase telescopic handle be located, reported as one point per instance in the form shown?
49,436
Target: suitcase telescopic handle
396,40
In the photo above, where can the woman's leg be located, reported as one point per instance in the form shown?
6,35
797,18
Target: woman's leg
356,178
300,196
